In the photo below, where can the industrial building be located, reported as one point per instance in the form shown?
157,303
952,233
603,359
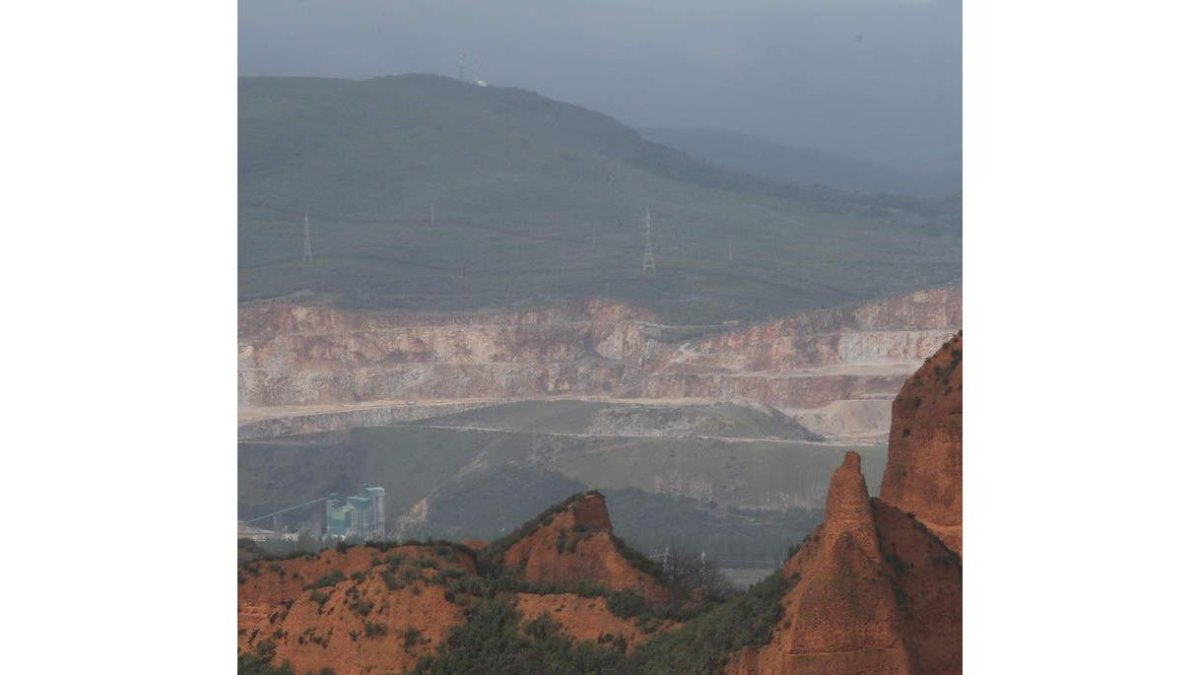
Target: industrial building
359,516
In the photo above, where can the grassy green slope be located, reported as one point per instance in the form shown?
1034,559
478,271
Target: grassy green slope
805,166
759,473
683,492
604,418
523,186
406,462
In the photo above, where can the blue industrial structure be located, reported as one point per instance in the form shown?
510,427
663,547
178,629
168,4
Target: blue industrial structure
360,515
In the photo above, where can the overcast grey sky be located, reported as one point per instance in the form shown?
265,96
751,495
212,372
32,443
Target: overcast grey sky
877,79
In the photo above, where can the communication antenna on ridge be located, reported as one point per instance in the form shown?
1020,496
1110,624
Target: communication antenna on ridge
462,66
648,256
307,242
479,81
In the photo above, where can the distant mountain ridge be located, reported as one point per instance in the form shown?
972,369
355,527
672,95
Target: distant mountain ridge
768,159
425,193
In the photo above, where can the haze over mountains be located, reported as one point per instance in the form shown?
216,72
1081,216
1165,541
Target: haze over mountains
428,193
804,166
480,298
879,80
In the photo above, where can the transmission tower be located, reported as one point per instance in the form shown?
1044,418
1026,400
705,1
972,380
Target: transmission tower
648,256
462,67
307,242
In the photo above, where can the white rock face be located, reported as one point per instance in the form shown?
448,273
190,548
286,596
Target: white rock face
294,355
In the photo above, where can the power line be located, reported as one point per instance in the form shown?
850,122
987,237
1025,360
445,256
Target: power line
282,511
308,256
648,256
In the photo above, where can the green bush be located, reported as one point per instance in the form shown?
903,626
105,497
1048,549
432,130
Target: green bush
252,664
258,662
627,604
495,642
330,579
412,637
703,646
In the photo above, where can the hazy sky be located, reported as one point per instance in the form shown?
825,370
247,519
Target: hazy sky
878,79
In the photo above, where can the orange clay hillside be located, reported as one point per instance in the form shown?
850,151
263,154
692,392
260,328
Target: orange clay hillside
379,608
874,590
354,610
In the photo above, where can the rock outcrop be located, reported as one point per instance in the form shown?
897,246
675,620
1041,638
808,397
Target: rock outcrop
297,355
573,544
814,358
842,614
924,471
877,589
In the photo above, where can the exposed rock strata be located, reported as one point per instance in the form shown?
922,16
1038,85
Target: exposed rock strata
304,355
318,421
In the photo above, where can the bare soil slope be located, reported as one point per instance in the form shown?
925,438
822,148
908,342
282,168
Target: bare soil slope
366,609
349,610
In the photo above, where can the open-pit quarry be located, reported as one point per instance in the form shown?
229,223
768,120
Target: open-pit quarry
709,438
308,368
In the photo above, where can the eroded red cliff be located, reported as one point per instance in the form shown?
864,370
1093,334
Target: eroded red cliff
924,469
877,588
841,615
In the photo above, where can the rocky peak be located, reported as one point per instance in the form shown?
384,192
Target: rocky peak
841,615
848,507
574,543
591,512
